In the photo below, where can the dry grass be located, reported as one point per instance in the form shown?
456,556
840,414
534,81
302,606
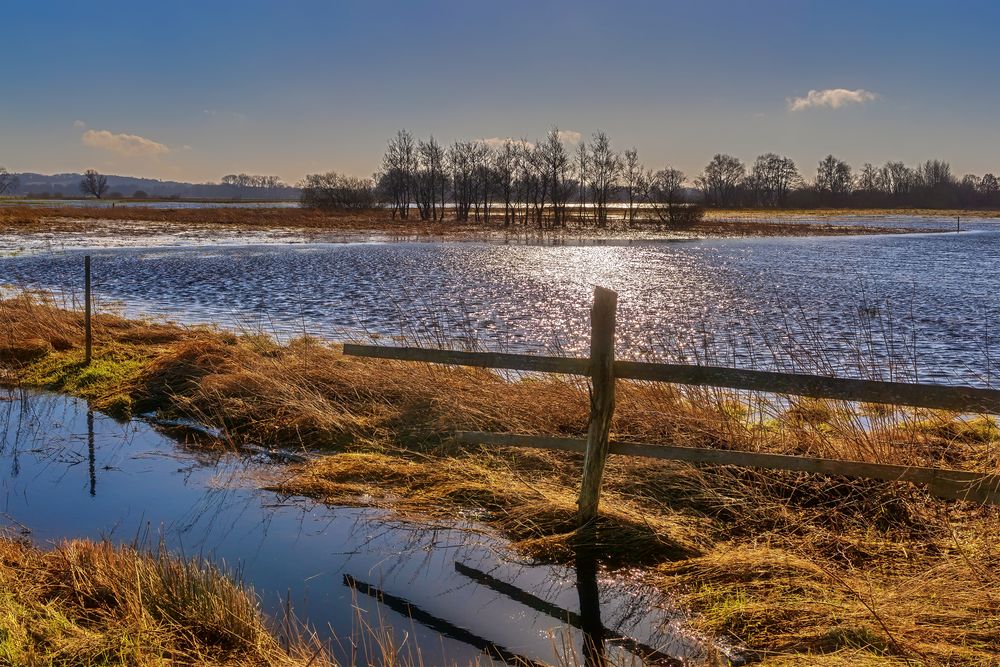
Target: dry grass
717,223
84,603
799,567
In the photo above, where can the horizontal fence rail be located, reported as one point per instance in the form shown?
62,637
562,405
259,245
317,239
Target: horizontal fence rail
935,396
957,484
603,370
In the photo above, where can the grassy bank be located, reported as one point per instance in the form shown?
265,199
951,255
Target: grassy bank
800,568
83,603
717,223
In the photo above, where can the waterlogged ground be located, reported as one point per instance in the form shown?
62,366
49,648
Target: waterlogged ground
910,306
450,591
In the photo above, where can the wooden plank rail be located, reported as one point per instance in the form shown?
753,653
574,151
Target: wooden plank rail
940,397
956,484
603,369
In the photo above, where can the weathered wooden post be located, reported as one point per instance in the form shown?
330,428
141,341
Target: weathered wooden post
89,338
602,399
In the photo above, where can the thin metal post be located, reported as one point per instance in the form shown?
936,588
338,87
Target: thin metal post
89,344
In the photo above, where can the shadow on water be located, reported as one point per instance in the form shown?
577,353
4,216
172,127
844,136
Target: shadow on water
452,592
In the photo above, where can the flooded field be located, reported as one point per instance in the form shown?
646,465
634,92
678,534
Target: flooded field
453,590
911,306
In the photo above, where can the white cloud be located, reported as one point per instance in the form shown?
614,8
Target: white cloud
129,145
79,123
497,142
570,136
833,98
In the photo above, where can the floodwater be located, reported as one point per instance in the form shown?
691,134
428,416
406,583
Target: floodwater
451,591
906,307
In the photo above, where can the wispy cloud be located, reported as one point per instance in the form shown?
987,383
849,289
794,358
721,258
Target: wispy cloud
832,98
129,145
497,142
79,123
570,136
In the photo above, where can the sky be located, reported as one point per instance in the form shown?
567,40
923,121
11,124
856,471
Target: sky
193,90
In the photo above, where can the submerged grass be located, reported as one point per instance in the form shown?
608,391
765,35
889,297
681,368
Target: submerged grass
799,568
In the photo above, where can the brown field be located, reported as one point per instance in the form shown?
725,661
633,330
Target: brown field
349,224
802,569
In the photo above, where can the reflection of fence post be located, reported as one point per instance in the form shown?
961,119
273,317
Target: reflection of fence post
90,452
89,338
602,399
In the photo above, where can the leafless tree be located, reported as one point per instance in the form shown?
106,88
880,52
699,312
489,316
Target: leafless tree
336,191
507,164
869,178
604,168
988,185
94,184
556,169
833,179
935,174
583,178
635,181
461,161
896,179
771,179
485,179
429,180
8,181
721,180
665,190
395,178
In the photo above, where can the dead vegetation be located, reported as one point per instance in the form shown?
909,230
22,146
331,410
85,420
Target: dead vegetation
717,223
797,567
86,603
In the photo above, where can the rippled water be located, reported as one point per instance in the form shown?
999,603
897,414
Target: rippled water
900,306
69,473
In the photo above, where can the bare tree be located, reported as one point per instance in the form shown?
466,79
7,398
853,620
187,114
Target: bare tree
721,180
462,164
395,180
507,164
988,185
604,169
896,179
335,191
556,165
428,180
868,179
771,179
665,190
635,180
485,179
94,184
833,179
8,181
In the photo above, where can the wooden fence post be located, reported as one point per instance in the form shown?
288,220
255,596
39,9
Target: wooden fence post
89,338
602,400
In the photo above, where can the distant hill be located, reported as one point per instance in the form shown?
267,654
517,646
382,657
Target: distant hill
68,186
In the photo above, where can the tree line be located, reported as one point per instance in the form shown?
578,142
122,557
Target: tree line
546,183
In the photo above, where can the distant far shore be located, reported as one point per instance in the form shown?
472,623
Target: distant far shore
360,224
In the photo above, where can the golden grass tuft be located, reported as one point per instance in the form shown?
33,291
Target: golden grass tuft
86,603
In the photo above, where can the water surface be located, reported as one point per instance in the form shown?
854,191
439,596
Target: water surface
66,472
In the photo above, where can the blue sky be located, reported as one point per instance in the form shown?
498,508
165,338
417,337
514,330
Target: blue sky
194,90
